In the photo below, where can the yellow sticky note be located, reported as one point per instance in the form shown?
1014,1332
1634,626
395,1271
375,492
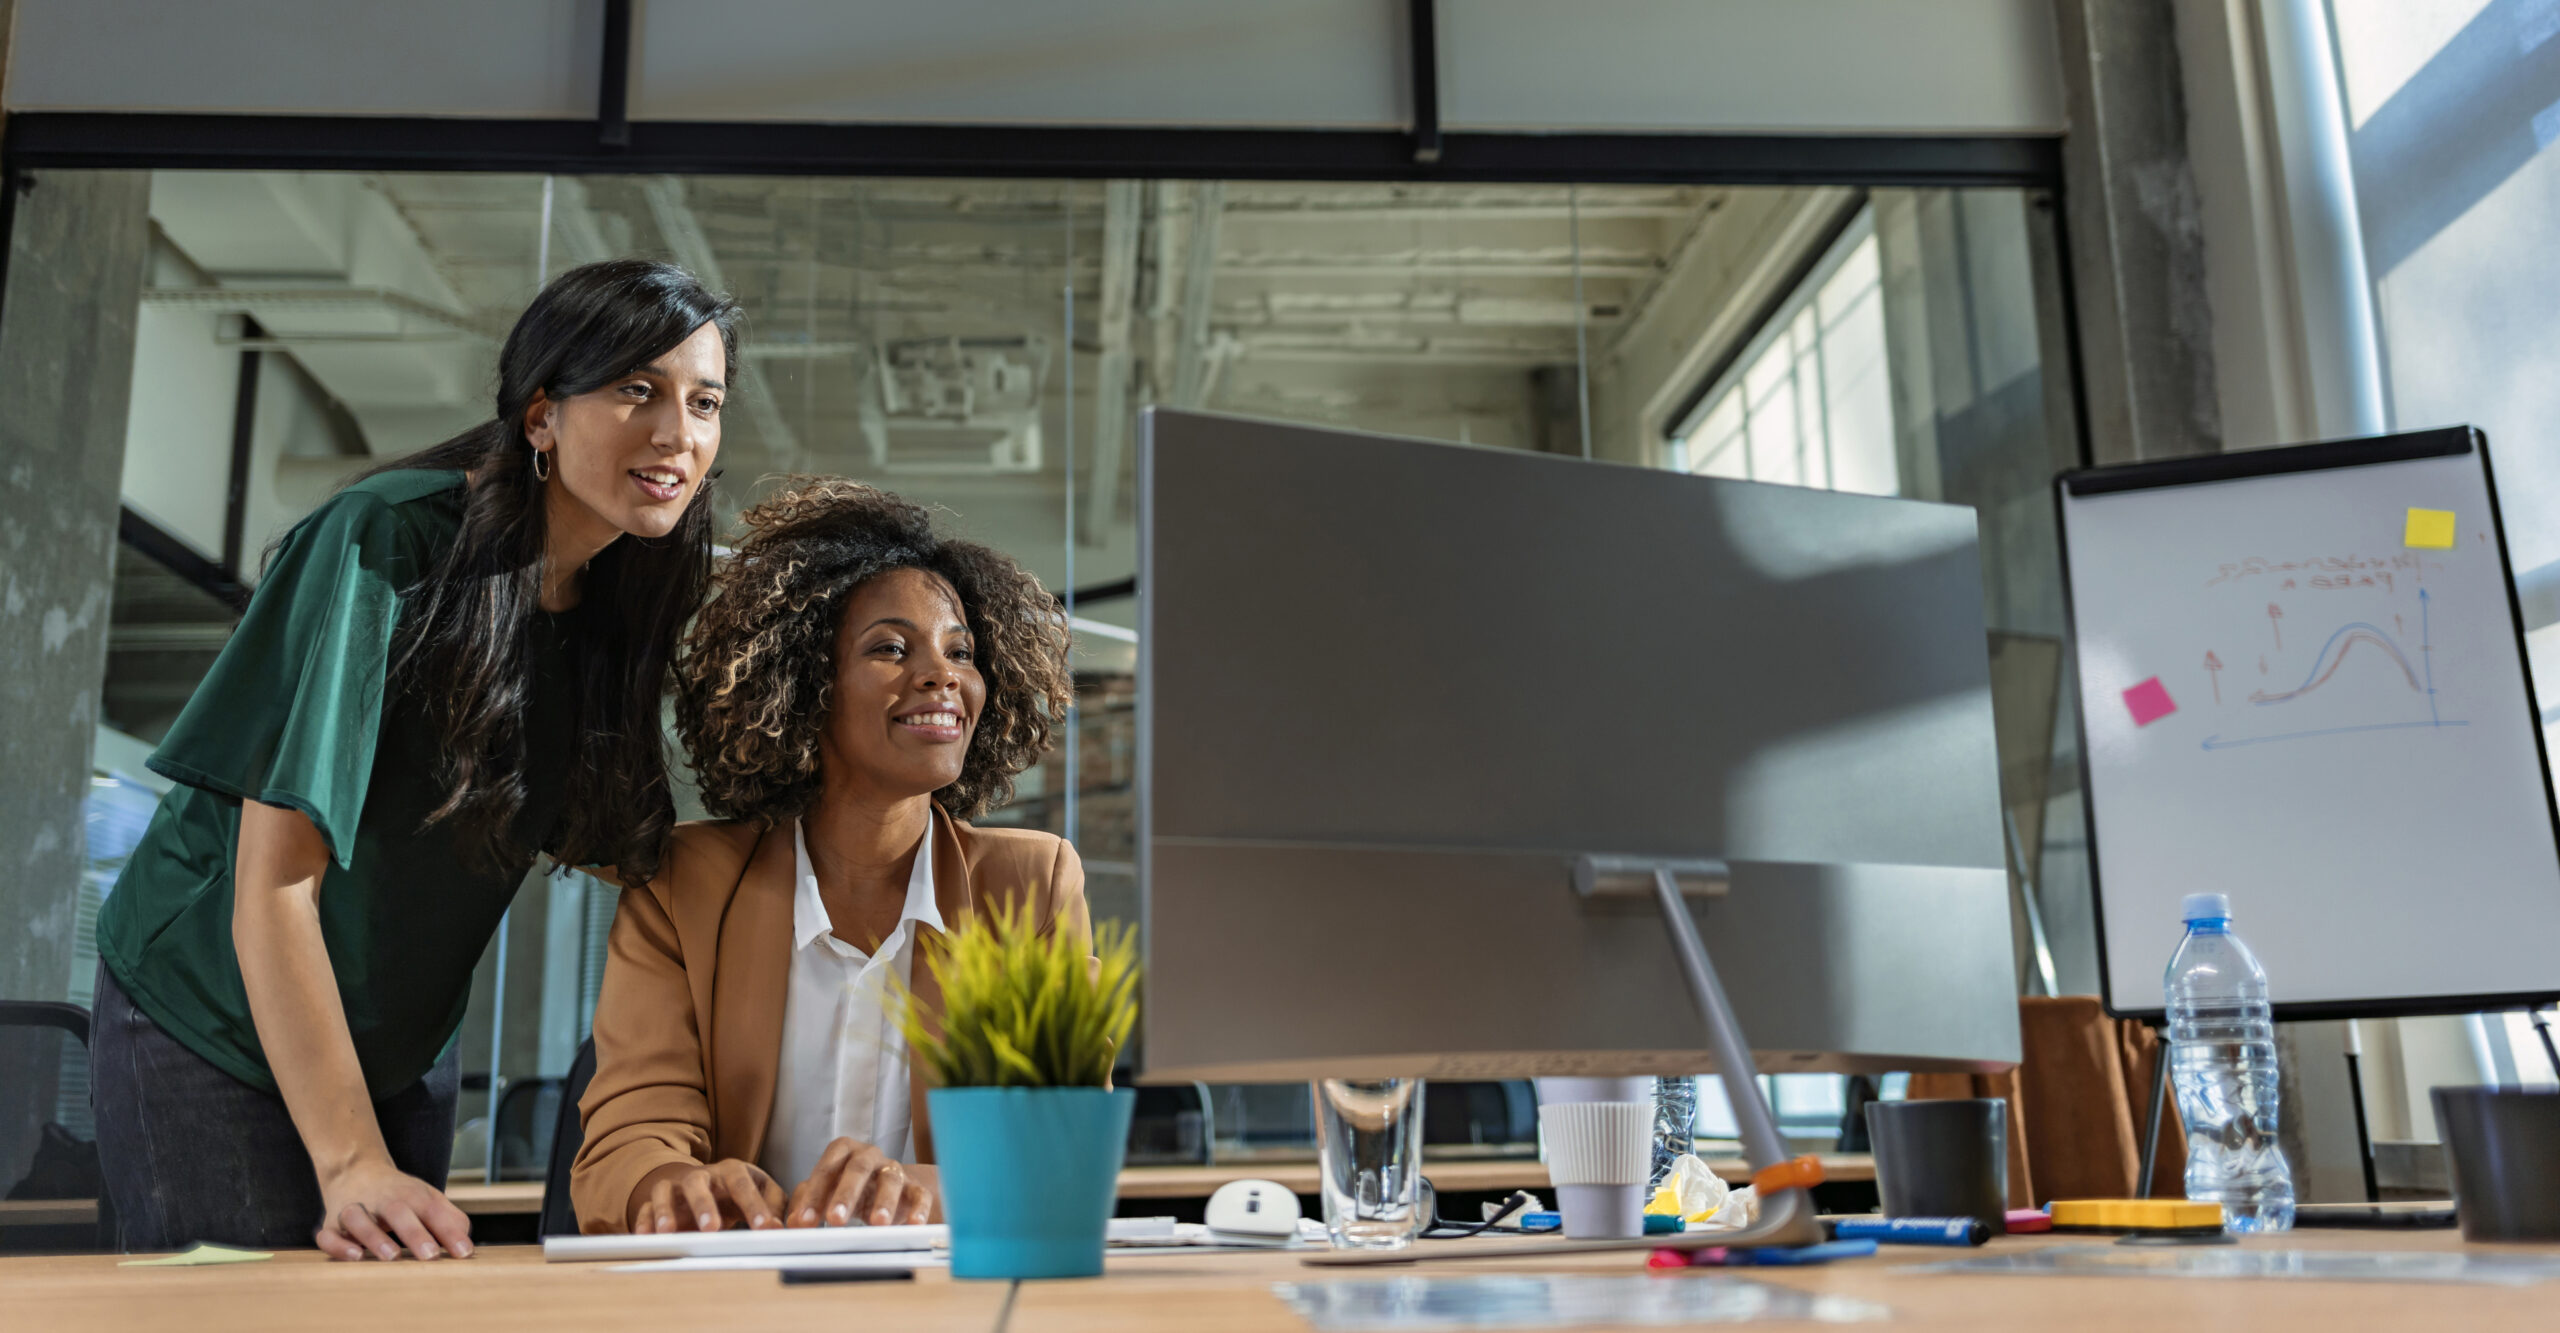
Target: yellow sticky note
2430,528
198,1256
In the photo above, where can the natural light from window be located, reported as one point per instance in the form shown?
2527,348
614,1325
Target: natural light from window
1809,402
2382,43
2455,148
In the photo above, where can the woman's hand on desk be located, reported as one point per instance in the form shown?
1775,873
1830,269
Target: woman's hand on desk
373,1209
692,1197
855,1184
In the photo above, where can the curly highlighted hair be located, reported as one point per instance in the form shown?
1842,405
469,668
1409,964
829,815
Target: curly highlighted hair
753,676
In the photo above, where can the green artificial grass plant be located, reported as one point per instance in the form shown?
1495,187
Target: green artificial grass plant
1025,1009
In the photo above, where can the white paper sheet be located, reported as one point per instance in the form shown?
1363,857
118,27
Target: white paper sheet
883,1261
783,1241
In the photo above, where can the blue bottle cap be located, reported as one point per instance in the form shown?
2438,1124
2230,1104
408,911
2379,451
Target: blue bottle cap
2205,907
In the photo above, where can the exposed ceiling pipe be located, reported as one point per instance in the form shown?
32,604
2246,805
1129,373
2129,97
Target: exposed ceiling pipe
1170,225
334,272
312,298
1489,264
1697,244
1120,223
574,218
1199,284
1224,351
448,326
682,232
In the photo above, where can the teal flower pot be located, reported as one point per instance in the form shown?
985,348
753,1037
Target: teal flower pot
1028,1176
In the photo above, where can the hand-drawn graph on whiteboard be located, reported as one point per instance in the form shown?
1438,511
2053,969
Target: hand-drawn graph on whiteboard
2302,683
2368,675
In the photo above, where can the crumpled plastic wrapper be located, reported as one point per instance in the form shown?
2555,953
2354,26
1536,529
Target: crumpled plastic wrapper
1697,1196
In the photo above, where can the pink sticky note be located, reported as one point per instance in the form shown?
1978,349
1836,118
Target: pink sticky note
2149,702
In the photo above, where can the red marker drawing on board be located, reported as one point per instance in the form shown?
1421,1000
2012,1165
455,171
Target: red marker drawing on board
2275,621
2214,665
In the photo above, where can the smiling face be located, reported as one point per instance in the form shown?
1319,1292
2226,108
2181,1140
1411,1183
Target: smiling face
629,456
907,693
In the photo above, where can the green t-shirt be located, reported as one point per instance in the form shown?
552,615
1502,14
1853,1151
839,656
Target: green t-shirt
294,714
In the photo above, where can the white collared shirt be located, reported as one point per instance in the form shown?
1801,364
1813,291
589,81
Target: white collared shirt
843,1071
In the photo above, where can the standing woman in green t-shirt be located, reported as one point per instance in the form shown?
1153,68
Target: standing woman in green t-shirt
453,663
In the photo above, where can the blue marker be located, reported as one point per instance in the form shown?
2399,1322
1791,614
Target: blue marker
1913,1230
1775,1256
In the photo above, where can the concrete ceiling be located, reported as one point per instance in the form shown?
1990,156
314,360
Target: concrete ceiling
1396,307
916,332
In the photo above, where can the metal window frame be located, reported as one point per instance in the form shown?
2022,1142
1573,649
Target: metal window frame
1855,225
38,140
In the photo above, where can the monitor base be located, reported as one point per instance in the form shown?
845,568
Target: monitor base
1786,1215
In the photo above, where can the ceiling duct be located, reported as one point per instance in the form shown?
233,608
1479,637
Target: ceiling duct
957,406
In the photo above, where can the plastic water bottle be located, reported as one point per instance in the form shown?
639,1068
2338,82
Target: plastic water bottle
1675,1110
2222,1061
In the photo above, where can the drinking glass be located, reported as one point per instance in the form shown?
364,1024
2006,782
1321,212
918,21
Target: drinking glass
1369,1153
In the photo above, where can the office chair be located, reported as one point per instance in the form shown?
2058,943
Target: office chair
1503,1112
520,1133
559,1217
1170,1124
73,1021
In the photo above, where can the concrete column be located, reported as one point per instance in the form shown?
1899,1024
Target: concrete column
77,242
2136,234
2253,277
2293,317
75,265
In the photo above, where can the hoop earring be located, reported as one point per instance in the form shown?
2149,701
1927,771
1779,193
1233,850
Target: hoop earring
541,466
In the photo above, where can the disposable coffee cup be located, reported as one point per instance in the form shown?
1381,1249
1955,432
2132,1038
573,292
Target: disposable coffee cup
2505,1149
1598,1154
1943,1158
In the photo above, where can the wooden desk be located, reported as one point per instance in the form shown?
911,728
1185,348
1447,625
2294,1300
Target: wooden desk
505,1198
510,1287
47,1212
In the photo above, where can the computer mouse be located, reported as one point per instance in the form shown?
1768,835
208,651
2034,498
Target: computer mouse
1253,1211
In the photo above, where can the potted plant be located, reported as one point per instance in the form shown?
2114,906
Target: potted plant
1027,1130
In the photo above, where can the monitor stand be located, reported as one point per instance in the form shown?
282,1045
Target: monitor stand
1786,1214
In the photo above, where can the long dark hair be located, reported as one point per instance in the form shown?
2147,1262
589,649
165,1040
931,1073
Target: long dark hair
462,651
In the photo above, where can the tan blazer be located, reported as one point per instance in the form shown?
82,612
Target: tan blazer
688,1025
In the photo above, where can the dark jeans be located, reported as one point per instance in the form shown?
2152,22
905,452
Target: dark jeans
190,1153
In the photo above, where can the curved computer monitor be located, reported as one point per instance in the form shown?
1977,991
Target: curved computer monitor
1390,690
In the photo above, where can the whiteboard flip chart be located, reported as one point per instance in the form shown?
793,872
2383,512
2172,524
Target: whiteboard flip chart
2302,683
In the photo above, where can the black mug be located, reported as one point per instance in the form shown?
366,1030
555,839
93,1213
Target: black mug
2505,1149
1943,1158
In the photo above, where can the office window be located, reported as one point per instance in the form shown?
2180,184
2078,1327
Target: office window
1808,403
1919,355
1808,1107
2453,140
2453,114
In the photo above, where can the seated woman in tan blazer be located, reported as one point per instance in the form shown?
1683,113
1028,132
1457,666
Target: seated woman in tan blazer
854,690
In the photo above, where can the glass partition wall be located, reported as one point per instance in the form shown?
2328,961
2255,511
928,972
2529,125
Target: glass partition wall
985,346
